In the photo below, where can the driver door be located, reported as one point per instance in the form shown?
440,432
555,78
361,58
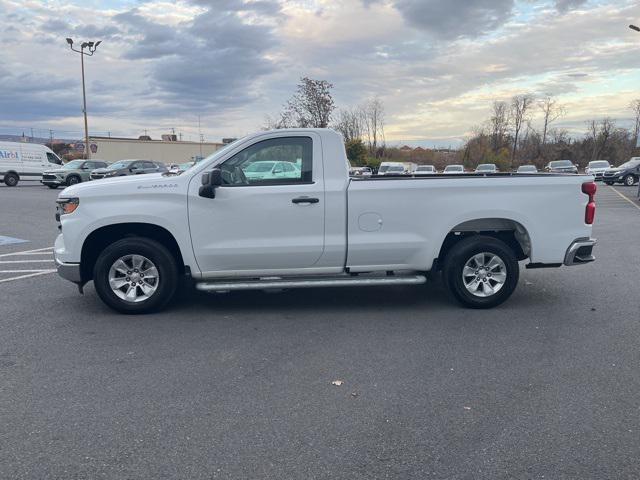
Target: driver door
266,225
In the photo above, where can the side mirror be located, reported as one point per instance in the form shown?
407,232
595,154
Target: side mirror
210,181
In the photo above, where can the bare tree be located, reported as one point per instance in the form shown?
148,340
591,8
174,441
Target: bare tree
372,114
499,123
350,124
520,106
310,107
552,110
599,132
635,107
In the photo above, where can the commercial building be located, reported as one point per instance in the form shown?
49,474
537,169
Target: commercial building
168,150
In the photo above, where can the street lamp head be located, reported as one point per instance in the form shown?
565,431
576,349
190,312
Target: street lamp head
97,43
90,44
633,27
69,41
84,45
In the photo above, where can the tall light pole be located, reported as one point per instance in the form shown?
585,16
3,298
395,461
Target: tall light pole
91,49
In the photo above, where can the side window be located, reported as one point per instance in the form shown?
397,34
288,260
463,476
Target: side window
51,158
149,165
286,160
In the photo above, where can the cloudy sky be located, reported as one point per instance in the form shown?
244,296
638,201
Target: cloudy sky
436,64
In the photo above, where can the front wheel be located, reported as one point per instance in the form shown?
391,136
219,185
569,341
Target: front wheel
136,275
52,187
481,272
72,180
629,180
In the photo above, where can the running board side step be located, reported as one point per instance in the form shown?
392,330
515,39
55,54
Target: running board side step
271,282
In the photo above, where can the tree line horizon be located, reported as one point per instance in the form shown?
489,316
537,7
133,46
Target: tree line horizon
507,138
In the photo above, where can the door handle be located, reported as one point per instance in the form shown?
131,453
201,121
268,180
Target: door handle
305,200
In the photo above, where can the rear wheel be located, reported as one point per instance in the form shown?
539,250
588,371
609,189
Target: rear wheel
136,275
72,180
11,179
481,272
629,180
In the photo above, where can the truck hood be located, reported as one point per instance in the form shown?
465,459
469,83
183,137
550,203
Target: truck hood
152,181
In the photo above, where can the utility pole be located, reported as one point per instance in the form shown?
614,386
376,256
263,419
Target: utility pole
91,49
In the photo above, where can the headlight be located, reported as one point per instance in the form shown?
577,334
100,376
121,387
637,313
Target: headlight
110,173
67,205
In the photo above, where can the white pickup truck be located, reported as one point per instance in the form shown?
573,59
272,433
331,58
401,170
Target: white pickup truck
310,225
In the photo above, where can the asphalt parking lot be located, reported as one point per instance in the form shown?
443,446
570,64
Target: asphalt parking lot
240,385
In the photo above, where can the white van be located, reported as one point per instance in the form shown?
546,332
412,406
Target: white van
25,161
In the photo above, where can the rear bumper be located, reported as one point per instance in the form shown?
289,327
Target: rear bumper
580,251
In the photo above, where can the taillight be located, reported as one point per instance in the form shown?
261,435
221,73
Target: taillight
590,211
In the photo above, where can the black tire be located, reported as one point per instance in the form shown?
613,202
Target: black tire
462,252
154,251
629,180
11,179
609,183
53,187
73,179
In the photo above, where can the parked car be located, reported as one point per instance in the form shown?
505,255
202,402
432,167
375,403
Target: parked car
486,168
392,168
425,170
128,167
561,166
453,169
597,168
177,168
527,169
271,170
361,171
627,173
138,238
75,171
25,161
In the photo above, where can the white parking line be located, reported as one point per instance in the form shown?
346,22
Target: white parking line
27,273
37,251
624,197
42,272
48,260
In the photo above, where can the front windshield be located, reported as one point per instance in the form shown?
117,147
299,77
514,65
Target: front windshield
527,168
599,164
384,168
73,165
486,167
453,168
395,169
560,163
118,165
424,169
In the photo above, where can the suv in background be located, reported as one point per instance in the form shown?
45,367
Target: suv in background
597,168
627,173
128,167
453,169
486,168
527,169
425,170
561,166
75,171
